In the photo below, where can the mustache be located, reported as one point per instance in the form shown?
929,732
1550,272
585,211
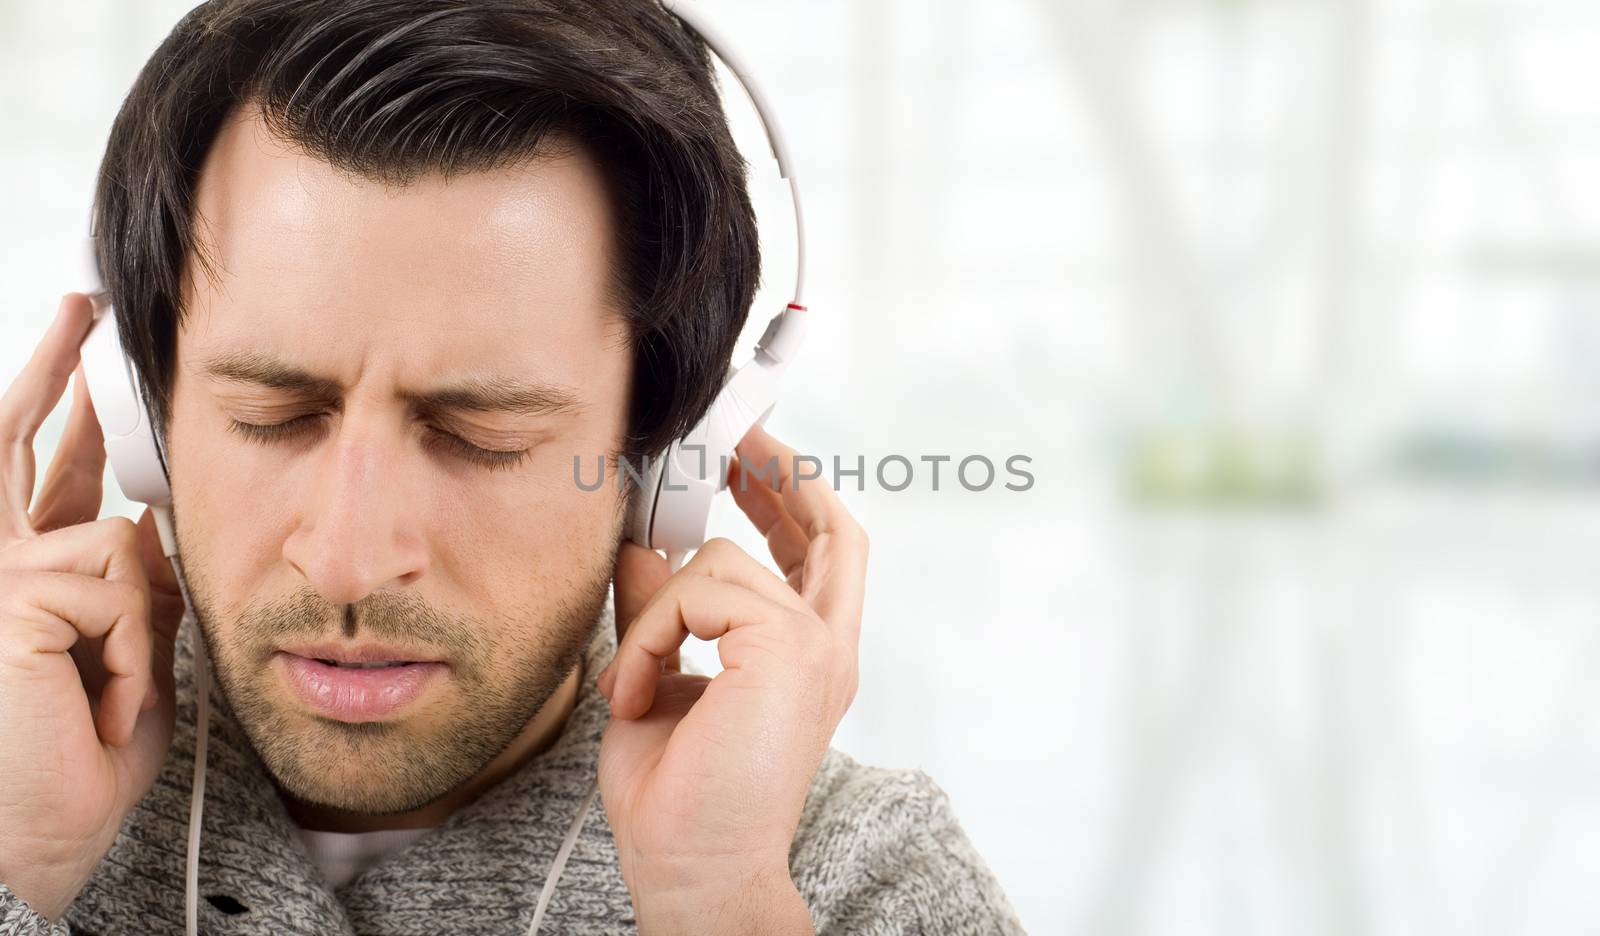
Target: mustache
387,617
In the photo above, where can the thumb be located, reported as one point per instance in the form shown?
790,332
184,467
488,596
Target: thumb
72,486
166,600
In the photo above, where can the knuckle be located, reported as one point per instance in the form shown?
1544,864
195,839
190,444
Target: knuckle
848,674
839,667
840,676
718,547
849,699
855,534
718,553
121,532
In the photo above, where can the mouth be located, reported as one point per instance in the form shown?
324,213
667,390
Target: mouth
357,683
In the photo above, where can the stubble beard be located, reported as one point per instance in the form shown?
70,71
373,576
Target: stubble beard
390,767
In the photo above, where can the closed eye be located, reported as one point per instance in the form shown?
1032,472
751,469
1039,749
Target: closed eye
276,432
308,425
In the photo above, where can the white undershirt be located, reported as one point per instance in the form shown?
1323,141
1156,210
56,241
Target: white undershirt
340,856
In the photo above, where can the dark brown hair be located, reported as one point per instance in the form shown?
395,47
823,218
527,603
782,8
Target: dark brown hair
393,89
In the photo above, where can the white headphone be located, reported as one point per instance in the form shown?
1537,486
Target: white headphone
669,511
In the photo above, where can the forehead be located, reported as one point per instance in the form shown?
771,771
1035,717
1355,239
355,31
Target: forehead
501,270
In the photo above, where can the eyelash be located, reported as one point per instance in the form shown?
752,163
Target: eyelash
269,433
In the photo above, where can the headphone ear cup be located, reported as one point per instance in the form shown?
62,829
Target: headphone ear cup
686,479
642,502
113,387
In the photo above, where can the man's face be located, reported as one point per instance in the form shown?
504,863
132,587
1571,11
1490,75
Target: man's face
433,358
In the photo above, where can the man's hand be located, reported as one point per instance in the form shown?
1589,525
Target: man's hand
89,610
704,780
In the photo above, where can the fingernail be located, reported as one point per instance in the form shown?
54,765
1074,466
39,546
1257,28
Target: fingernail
150,699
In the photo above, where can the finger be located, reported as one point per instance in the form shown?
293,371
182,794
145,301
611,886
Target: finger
833,581
720,559
166,598
813,505
107,548
705,607
26,404
638,575
764,506
64,608
74,483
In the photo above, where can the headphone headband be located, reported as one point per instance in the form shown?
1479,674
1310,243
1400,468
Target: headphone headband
694,16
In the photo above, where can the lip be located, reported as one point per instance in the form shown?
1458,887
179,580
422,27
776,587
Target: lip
356,695
363,653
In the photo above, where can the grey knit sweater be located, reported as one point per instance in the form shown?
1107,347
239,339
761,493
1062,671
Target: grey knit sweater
877,851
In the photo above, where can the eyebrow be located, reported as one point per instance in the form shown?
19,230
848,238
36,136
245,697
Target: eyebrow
252,367
497,395
476,394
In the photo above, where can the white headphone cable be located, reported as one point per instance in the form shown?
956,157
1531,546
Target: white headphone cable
560,860
675,559
202,726
197,802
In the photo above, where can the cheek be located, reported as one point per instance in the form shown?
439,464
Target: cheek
528,543
231,516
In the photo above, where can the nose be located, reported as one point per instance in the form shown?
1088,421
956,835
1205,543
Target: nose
359,531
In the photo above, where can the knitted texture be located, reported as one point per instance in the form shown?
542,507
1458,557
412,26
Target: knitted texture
19,919
876,852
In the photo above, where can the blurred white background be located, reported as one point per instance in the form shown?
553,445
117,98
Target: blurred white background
1292,305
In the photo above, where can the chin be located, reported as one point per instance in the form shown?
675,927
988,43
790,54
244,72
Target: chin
370,776
375,767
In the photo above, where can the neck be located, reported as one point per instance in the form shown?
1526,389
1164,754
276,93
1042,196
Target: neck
535,738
